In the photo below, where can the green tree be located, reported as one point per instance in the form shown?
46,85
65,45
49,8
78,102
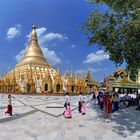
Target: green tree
117,31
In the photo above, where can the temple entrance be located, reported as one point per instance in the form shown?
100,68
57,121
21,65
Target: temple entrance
28,86
57,88
46,87
72,88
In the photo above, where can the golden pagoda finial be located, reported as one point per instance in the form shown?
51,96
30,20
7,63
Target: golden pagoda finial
71,75
65,75
33,34
88,76
83,73
75,78
33,27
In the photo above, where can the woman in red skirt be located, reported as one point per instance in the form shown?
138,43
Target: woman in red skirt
9,107
107,106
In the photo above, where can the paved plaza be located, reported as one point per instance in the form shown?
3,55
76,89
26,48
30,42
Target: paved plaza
41,118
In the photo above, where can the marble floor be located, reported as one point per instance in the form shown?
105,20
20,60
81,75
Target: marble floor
41,118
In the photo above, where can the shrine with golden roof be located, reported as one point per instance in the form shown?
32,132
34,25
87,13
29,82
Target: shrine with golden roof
120,81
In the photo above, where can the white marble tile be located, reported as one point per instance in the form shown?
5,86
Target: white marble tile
39,118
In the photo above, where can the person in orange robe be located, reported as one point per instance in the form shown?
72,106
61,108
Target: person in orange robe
107,106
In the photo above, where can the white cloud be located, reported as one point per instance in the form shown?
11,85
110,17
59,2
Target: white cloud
73,46
53,36
51,56
44,37
98,56
41,31
20,55
97,69
92,70
80,71
85,70
13,31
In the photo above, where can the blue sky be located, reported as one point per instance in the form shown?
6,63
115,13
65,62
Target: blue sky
58,26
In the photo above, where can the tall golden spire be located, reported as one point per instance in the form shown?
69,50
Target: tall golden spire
58,76
33,34
33,54
71,75
89,77
65,75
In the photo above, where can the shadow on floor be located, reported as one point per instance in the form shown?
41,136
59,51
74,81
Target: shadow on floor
127,121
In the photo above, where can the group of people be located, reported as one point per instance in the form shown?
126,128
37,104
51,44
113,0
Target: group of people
81,106
110,102
138,102
106,102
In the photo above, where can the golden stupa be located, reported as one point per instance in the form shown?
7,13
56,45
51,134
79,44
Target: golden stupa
33,74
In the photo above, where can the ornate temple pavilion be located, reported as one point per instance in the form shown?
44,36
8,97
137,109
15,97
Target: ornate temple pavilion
120,81
33,74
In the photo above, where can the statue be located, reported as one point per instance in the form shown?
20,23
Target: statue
38,84
22,84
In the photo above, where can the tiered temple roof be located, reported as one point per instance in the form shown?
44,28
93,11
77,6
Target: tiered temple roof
120,79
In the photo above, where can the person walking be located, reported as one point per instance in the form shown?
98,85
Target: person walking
107,106
9,107
67,112
80,102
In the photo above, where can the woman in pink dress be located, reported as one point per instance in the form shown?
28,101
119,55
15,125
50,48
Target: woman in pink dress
67,112
83,109
9,107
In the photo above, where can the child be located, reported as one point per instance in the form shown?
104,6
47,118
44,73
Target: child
101,99
83,109
67,112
